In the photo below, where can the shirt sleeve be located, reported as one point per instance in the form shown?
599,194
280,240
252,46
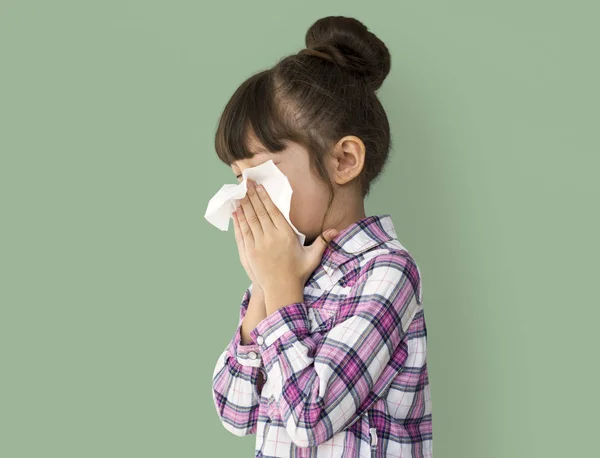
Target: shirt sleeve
237,381
324,387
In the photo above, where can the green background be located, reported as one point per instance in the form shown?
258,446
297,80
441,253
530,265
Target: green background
117,296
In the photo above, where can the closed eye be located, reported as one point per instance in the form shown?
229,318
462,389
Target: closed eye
240,176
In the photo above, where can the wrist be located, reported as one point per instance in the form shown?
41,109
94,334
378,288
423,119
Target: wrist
257,289
281,295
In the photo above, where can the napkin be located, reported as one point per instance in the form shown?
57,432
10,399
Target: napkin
222,205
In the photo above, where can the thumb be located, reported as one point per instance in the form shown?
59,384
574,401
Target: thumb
323,239
317,249
330,234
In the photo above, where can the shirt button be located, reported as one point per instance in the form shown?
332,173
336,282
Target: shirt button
260,340
252,355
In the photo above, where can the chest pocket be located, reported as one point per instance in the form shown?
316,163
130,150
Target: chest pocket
320,314
321,320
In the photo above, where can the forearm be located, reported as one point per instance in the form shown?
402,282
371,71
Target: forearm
255,314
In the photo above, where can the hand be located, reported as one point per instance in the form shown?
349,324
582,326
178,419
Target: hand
273,252
242,251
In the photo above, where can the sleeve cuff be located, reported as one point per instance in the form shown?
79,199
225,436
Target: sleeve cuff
246,355
287,324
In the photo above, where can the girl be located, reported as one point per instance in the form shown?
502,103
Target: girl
329,356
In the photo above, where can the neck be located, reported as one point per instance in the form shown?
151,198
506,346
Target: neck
348,219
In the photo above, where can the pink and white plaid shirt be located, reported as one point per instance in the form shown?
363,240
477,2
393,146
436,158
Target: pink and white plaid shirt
345,370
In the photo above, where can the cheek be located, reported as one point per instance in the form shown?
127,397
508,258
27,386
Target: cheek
307,207
296,209
300,209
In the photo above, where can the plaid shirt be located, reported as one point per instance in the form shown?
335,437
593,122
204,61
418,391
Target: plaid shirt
345,370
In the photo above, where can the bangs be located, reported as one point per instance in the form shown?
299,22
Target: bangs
252,115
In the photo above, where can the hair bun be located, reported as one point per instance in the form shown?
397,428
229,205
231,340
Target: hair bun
347,42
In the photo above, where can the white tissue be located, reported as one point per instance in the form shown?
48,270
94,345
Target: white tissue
222,205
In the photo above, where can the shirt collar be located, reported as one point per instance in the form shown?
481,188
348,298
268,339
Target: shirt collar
356,238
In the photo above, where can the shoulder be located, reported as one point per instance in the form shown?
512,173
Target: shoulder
386,267
385,288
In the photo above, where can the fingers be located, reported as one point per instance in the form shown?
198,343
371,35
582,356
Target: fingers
250,215
239,238
259,208
274,213
244,227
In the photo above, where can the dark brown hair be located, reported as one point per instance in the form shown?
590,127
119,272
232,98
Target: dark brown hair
314,98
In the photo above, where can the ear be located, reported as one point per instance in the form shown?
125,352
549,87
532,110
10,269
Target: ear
348,159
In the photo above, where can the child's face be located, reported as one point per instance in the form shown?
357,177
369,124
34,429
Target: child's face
310,196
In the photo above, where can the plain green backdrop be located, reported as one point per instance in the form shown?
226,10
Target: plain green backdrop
118,296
